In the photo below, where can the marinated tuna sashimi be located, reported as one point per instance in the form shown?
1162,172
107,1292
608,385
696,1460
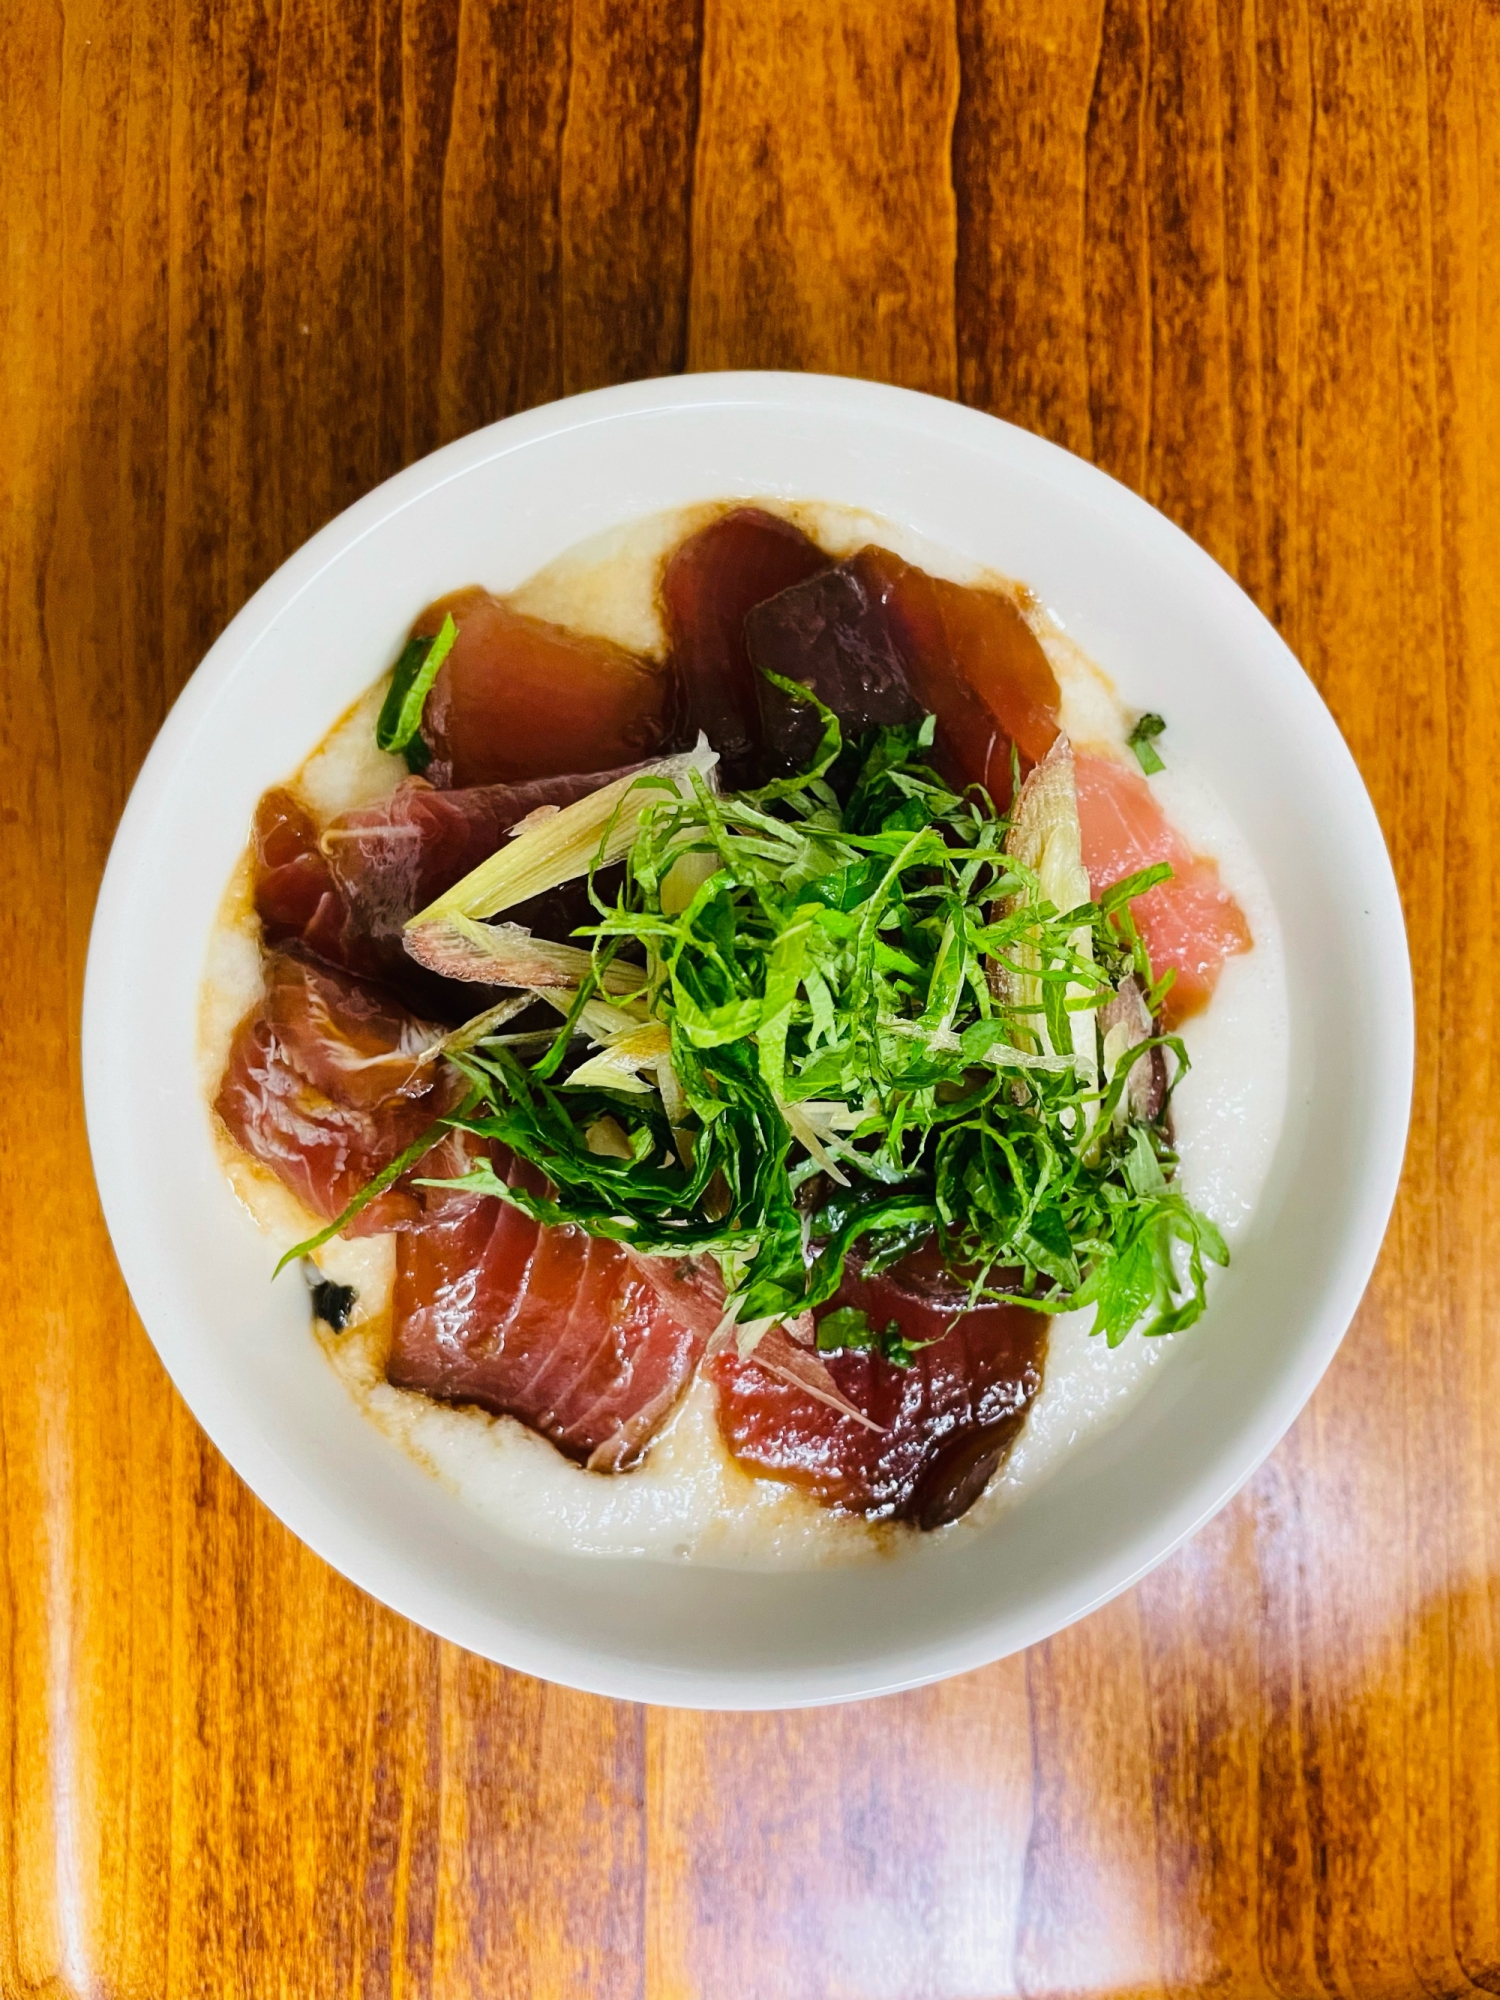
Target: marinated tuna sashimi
292,877
832,634
562,1330
347,892
300,901
388,861
975,663
327,1081
391,859
518,698
1191,923
879,641
943,1422
712,580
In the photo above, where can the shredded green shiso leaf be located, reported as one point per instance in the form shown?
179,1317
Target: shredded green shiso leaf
1142,741
398,726
836,1059
847,1329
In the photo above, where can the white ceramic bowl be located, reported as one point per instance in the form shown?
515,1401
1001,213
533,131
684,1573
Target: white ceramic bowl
1169,624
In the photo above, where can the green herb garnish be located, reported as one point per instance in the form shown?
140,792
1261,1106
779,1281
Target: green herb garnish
387,1177
1140,741
399,723
847,1328
869,1008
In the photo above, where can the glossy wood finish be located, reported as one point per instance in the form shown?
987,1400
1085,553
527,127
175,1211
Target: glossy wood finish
256,254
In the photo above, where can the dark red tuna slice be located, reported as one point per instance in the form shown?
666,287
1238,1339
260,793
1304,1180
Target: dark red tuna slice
327,1081
568,1333
711,581
834,636
347,892
299,901
390,860
518,698
291,875
945,1423
974,662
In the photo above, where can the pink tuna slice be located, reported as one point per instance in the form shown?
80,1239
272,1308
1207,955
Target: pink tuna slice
1191,923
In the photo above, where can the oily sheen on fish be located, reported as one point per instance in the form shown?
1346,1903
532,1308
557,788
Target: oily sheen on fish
879,641
328,1079
830,634
943,1424
389,860
519,698
712,580
346,891
567,1332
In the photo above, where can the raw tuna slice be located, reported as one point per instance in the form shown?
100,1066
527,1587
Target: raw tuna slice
1191,923
347,892
945,1422
327,1081
711,581
390,860
570,1334
833,636
291,876
879,641
300,902
974,662
518,698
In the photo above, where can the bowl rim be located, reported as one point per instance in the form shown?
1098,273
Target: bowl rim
255,1458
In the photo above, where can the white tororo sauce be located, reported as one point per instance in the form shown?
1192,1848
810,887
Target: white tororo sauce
690,1500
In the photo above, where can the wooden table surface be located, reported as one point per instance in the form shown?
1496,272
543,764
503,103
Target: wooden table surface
257,254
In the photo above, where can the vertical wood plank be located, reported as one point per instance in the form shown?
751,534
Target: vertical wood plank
1090,1913
1201,1641
627,177
1118,318
1455,1687
1366,399
501,326
1189,456
823,206
1019,172
540,1828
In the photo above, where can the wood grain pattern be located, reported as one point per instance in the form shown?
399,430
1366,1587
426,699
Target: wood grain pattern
823,213
257,254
